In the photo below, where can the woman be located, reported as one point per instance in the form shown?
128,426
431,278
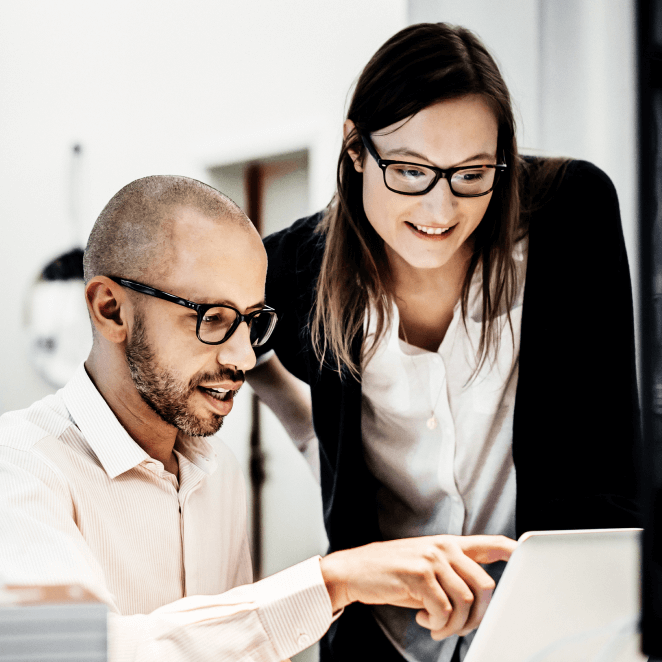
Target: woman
463,318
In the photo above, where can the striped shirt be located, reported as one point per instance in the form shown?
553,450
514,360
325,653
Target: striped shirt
82,503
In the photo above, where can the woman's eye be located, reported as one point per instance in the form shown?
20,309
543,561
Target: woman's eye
470,176
410,173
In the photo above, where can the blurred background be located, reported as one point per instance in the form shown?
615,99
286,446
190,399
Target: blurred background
249,97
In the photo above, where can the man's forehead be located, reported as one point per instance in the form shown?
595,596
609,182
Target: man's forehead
216,264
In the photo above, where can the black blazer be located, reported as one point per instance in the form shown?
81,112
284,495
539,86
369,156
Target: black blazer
576,416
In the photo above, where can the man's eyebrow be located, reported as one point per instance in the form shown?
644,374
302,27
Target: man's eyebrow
404,151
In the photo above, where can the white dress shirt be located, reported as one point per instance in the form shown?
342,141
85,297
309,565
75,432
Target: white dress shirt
459,477
81,502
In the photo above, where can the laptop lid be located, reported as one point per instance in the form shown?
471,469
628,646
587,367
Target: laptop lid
565,596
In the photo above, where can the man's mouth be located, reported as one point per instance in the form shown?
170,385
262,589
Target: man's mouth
219,393
431,231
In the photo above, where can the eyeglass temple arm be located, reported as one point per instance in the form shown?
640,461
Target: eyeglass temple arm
150,291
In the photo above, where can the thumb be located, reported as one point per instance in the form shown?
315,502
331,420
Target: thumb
487,549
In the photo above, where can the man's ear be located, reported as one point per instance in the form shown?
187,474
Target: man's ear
107,304
348,127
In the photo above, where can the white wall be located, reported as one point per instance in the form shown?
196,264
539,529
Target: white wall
153,87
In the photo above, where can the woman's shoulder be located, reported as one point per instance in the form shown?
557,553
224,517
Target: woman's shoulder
571,203
544,179
303,235
294,260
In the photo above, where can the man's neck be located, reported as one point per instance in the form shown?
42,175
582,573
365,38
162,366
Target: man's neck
155,436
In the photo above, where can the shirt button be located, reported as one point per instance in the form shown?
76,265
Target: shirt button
304,640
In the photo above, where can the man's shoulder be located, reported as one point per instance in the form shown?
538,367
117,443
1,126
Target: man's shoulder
225,456
22,429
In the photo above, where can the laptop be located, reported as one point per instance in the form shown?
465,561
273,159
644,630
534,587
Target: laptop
565,596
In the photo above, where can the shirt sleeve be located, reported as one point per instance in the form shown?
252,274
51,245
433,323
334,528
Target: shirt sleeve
40,544
267,621
295,256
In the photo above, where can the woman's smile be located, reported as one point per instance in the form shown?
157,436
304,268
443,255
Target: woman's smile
429,232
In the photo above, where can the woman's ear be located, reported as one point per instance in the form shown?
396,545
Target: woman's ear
348,127
107,304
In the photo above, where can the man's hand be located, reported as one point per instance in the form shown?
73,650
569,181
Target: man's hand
439,575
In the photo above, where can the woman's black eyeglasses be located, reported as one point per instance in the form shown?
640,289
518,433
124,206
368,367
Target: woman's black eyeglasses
417,179
216,321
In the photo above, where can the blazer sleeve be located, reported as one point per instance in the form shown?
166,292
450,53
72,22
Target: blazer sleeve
294,259
576,426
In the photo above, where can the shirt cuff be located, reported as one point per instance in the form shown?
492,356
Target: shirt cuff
295,608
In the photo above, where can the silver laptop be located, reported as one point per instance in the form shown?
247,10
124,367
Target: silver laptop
565,596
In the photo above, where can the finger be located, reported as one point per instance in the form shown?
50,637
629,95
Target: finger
459,594
481,585
437,606
487,549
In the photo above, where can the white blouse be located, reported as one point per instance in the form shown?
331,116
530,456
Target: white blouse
458,477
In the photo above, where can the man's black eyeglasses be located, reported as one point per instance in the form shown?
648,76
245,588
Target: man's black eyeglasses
216,321
417,179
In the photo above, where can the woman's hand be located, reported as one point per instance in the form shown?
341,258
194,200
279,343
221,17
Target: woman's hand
439,575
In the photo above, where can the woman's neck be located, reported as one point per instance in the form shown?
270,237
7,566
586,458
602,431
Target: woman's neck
426,298
407,280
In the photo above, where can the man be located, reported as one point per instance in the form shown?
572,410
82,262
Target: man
113,484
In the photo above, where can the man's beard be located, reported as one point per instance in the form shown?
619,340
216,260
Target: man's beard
165,394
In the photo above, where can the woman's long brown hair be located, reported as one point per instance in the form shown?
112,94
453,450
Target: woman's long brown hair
419,66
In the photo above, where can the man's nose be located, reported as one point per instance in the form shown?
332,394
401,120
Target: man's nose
237,350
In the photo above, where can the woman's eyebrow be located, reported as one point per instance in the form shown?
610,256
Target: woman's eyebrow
417,155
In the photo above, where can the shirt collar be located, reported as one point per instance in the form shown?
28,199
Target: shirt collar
112,444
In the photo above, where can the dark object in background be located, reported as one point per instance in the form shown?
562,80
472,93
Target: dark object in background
56,321
649,53
67,266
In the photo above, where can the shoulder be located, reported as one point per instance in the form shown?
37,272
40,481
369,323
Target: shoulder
563,181
24,428
583,179
228,478
573,199
227,460
296,244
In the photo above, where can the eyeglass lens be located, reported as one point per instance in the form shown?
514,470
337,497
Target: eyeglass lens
217,321
407,178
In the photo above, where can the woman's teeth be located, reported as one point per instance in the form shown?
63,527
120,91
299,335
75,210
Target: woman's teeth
427,230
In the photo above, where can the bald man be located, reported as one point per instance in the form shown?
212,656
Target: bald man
117,483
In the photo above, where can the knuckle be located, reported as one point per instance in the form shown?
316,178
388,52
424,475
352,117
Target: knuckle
431,553
467,597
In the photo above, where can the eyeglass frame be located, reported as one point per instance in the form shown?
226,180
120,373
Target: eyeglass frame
200,309
440,173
